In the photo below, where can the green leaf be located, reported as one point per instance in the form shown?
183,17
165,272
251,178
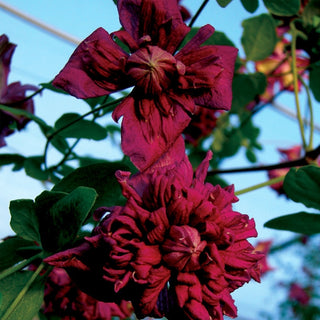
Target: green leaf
301,222
250,155
61,216
74,127
314,81
303,185
11,158
10,250
250,5
24,221
245,88
259,37
283,7
99,176
33,168
223,3
311,12
49,86
30,303
93,102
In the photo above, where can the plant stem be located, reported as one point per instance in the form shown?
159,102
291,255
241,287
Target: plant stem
311,121
295,83
204,3
260,185
7,272
22,293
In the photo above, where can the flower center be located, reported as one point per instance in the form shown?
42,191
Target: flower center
153,69
182,248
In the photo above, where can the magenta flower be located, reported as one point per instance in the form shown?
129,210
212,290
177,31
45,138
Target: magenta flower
299,294
168,81
176,249
264,247
63,299
12,95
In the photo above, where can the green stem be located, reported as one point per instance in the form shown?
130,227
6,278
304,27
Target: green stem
52,135
260,185
7,272
22,293
311,121
204,3
295,83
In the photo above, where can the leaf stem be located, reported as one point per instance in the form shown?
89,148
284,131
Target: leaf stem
22,293
195,17
7,272
260,185
295,83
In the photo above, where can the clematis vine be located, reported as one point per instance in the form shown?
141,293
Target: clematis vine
175,249
12,95
63,299
168,81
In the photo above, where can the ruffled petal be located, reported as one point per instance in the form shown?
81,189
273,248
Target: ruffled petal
96,68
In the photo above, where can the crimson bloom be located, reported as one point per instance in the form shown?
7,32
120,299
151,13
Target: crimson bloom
12,95
264,247
176,249
63,299
168,81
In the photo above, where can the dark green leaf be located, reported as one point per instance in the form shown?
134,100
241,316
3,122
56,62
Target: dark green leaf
33,168
303,185
74,127
223,3
259,37
301,222
215,179
31,302
251,156
61,216
93,102
283,7
311,10
24,221
245,88
219,38
250,5
99,176
314,81
7,158
10,250
49,86
60,143
20,112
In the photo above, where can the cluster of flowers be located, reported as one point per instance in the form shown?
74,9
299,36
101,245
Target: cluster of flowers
176,248
12,95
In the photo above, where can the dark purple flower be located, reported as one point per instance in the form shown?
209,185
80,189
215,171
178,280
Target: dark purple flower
168,82
12,95
176,249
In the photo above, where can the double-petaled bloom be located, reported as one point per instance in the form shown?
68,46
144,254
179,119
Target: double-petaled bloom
175,249
12,95
63,299
168,81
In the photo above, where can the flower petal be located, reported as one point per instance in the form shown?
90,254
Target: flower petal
95,68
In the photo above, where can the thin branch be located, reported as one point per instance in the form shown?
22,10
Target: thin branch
307,159
194,18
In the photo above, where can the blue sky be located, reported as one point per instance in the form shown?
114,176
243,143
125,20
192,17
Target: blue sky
39,56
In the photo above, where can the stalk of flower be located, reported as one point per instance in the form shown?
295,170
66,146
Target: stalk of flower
168,81
176,249
12,95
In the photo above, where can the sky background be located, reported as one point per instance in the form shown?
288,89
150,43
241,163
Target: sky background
39,56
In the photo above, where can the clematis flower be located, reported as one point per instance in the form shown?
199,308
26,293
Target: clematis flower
264,247
299,294
176,249
201,125
278,68
63,299
12,95
168,81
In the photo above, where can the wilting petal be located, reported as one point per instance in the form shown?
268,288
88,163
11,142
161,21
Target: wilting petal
96,68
